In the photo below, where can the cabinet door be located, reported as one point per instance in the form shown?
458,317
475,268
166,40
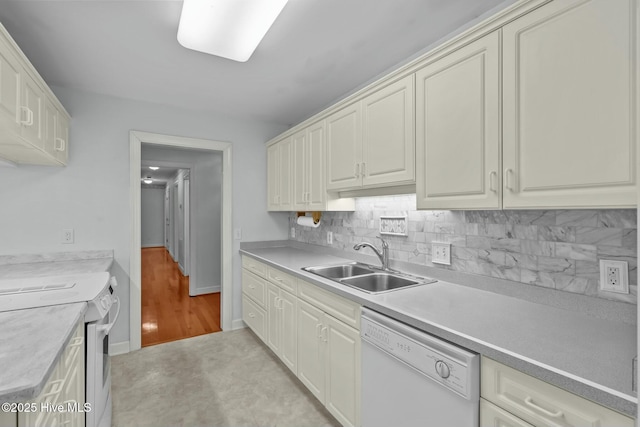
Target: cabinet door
311,359
570,100
9,91
299,168
388,148
289,330
273,177
286,174
344,148
61,147
315,170
33,103
50,124
493,416
342,371
273,318
458,129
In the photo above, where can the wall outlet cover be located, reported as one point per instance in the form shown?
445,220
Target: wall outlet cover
237,233
293,232
614,276
330,237
441,253
67,236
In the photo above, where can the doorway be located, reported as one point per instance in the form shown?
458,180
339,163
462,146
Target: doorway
137,139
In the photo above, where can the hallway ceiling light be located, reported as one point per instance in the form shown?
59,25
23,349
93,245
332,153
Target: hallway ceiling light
147,180
154,168
228,28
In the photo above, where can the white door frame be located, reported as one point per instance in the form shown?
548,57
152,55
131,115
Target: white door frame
136,139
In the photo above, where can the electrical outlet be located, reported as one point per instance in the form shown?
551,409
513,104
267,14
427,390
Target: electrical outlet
293,232
237,233
441,253
614,276
67,235
330,237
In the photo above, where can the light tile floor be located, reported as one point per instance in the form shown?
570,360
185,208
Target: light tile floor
225,379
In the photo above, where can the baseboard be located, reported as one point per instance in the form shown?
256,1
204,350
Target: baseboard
152,245
238,324
207,290
117,348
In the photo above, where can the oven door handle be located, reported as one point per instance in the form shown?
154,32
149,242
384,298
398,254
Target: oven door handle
107,328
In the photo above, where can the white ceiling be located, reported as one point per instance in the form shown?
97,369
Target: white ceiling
316,52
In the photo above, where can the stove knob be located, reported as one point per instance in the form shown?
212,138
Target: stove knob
104,303
442,369
113,282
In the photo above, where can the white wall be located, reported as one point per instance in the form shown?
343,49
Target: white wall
206,210
91,195
152,213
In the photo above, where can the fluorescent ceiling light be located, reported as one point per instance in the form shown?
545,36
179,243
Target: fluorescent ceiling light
154,168
228,28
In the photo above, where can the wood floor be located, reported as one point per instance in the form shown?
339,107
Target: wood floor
168,312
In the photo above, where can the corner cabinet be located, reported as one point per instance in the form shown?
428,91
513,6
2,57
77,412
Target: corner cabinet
458,129
34,127
570,81
371,143
314,333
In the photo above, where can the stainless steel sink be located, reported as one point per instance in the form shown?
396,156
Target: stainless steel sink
379,282
367,278
340,271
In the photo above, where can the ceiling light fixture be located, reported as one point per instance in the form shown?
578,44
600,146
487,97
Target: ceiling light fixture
147,180
154,168
228,28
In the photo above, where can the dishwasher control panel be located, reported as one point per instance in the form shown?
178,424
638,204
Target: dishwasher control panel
439,360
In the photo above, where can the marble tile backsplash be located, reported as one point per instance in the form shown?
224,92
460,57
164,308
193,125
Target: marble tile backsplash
557,249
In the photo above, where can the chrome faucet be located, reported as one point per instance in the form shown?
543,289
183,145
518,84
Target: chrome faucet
382,255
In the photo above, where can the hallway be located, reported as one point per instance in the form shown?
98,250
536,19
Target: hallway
168,312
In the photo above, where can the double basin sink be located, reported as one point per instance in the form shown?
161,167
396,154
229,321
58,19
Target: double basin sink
367,278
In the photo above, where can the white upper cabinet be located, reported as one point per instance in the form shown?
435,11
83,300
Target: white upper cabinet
371,143
279,173
388,147
344,148
308,166
570,105
458,129
34,127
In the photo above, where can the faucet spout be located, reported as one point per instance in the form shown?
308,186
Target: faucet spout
383,255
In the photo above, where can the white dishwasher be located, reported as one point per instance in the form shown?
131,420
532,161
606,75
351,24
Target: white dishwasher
413,379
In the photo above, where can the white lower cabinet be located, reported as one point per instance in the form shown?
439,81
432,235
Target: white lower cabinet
281,332
314,332
61,402
528,401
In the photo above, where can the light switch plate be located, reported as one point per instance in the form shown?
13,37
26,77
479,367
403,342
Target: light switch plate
237,233
293,232
67,236
441,253
330,237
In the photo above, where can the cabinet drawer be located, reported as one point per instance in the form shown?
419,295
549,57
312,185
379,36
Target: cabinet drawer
256,267
492,416
338,307
540,403
254,286
284,280
254,317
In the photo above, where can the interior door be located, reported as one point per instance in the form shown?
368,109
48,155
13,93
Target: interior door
167,218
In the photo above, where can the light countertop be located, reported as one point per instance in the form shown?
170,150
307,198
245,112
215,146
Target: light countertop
587,355
32,342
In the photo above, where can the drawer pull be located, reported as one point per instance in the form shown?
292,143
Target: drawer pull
276,278
251,315
530,403
77,341
252,287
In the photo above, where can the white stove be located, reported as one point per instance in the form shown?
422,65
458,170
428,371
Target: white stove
96,289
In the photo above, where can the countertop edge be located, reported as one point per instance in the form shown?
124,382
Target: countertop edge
613,399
